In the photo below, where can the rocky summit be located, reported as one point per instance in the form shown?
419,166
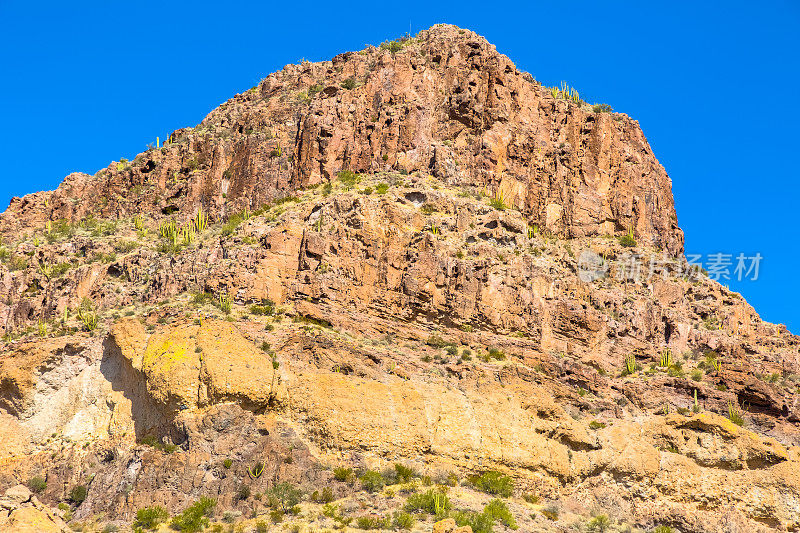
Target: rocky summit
390,291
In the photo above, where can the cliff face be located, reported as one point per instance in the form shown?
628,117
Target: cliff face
394,271
447,105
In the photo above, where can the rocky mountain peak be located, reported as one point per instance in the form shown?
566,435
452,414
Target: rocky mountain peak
395,289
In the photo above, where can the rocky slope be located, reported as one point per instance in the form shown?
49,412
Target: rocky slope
393,271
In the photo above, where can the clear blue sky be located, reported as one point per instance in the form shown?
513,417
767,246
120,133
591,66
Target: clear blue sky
714,86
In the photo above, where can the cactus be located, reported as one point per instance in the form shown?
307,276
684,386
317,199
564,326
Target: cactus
200,220
158,142
224,301
42,328
734,415
138,223
666,359
168,230
630,363
532,231
37,241
46,269
48,226
87,315
696,406
438,504
256,470
188,235
434,229
554,92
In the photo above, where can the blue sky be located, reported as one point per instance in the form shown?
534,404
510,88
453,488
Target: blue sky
714,87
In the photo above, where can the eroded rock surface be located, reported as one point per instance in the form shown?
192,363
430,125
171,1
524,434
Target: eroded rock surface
424,307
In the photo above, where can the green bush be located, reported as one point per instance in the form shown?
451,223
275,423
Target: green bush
150,517
372,481
195,517
404,473
395,45
341,473
602,108
349,84
37,484
78,494
402,520
628,240
382,188
600,523
285,496
432,501
227,463
498,510
479,522
493,482
349,179
373,522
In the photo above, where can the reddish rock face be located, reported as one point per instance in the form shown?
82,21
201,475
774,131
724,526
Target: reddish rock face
435,308
447,104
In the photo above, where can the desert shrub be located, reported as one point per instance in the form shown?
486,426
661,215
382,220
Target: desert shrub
594,424
479,522
78,494
394,46
734,415
531,497
326,496
265,308
195,517
37,484
372,481
551,512
404,473
382,188
227,463
373,522
243,492
493,482
496,354
497,510
349,84
662,529
261,527
150,517
432,501
628,240
285,496
349,179
602,108
402,520
600,523
341,473
153,442
498,203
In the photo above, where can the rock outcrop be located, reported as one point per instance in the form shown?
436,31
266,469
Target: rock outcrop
393,272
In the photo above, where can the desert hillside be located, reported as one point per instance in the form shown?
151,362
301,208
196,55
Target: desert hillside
409,288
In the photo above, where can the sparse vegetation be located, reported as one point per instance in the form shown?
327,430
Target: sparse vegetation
628,240
372,481
37,484
195,517
734,415
150,517
493,482
78,494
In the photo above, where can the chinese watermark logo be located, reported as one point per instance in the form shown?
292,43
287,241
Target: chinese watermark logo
635,267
